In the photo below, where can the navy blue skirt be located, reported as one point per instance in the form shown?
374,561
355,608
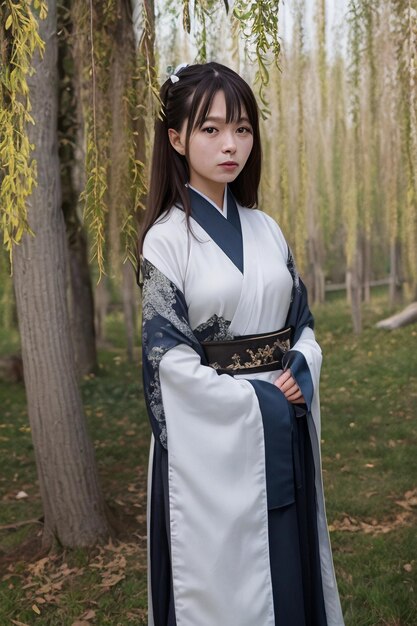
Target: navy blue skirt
293,544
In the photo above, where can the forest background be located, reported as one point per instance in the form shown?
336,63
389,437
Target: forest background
336,83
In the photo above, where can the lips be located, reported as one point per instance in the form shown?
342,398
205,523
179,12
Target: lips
229,164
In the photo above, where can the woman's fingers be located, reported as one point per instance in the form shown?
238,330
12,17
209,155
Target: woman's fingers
284,381
292,391
287,384
294,397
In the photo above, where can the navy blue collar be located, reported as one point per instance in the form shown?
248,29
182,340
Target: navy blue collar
226,233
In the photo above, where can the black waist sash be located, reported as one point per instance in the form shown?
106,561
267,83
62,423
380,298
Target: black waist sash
248,354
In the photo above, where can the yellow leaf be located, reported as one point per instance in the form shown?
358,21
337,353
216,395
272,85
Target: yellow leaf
36,609
8,22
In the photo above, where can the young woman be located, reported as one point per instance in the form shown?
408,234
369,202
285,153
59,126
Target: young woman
237,527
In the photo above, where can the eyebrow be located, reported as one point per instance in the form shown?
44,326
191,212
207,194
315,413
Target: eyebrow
212,118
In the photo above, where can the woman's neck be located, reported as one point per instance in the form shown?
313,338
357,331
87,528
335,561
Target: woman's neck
216,194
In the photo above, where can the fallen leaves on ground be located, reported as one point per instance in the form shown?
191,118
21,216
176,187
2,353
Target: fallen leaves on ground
409,501
372,527
84,619
46,580
375,527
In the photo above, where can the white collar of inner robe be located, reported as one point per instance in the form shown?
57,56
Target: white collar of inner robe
223,211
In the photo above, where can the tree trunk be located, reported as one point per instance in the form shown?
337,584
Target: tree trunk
316,280
395,282
366,278
313,261
129,307
101,297
70,127
74,509
82,305
353,289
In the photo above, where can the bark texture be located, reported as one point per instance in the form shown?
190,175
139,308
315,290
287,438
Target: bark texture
70,130
82,305
74,509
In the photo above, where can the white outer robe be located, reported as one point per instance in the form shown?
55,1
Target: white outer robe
216,457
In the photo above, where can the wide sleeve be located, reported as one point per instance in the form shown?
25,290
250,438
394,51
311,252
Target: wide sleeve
213,403
304,360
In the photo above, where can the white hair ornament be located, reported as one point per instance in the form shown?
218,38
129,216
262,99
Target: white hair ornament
173,77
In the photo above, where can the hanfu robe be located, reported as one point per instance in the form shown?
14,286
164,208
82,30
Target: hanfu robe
237,532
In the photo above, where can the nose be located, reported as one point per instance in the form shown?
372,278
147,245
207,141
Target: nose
229,143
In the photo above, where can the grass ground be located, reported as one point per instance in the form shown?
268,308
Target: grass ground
369,397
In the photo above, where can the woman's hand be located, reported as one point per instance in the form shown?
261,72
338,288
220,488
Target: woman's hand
287,384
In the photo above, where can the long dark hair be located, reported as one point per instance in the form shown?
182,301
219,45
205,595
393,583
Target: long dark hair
190,98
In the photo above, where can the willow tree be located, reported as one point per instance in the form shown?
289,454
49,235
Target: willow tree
338,148
75,512
300,66
73,505
283,184
405,16
317,193
388,133
80,288
354,200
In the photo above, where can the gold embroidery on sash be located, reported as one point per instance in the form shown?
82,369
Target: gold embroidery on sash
262,356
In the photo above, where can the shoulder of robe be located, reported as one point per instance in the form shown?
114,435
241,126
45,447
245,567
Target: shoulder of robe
273,227
166,245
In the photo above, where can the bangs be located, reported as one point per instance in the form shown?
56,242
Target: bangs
238,98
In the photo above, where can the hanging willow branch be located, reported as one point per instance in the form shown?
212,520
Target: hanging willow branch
115,55
146,72
96,26
205,12
19,40
258,21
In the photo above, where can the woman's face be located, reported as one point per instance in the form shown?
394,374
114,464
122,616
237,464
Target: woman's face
217,151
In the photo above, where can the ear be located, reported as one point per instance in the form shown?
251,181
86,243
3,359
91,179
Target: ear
176,141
